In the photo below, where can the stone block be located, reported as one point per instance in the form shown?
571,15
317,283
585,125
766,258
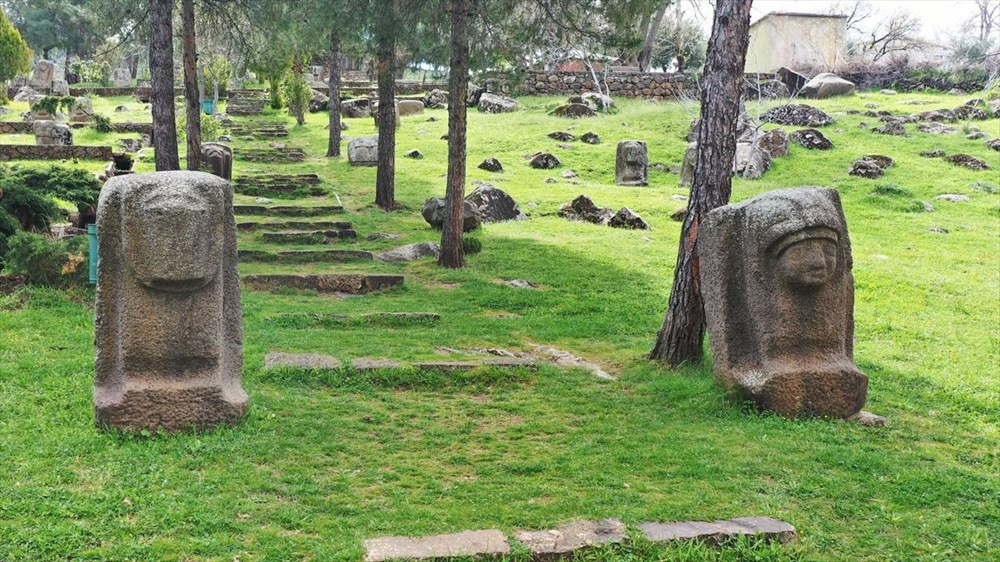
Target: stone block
490,542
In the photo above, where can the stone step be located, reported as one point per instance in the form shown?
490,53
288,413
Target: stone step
372,364
325,320
268,184
718,532
490,542
250,226
288,210
304,256
307,236
349,283
272,155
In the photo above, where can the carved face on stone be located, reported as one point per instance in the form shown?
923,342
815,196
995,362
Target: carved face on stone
173,243
807,259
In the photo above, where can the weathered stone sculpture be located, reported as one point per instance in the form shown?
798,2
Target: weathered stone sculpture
363,151
217,159
83,110
632,163
779,300
43,75
169,331
121,78
51,133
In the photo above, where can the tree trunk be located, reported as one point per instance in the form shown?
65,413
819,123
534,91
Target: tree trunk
385,186
191,94
452,252
333,149
161,69
646,52
680,338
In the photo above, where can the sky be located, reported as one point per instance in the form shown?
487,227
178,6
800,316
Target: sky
939,18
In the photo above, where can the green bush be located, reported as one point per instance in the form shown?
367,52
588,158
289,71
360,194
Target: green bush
472,245
93,71
52,104
210,127
31,210
102,124
47,262
69,184
8,227
298,94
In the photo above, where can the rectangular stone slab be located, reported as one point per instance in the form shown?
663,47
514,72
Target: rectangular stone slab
489,542
508,363
565,540
287,210
351,283
716,532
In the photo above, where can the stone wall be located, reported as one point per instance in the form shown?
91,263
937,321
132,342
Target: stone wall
25,128
16,128
33,152
651,85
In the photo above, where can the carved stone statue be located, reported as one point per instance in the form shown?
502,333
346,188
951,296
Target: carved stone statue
169,331
217,159
43,75
779,300
632,163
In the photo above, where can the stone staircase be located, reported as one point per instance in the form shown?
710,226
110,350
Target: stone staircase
246,102
272,185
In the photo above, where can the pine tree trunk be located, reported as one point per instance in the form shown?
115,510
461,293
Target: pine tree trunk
452,253
385,186
191,87
680,339
334,145
161,69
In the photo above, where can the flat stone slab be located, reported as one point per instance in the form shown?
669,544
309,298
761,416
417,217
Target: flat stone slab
467,543
377,318
450,366
301,360
287,210
350,283
565,540
307,236
304,256
717,532
249,226
370,364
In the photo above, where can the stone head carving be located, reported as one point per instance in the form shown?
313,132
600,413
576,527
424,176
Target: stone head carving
779,299
631,163
169,332
217,159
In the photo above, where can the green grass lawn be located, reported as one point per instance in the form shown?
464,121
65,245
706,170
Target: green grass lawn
324,461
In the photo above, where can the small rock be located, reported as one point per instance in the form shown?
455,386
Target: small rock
994,144
952,197
937,230
891,128
121,109
381,236
866,169
928,208
868,419
627,218
568,174
562,136
574,111
549,180
491,165
544,161
679,215
432,119
936,153
263,201
775,142
679,197
496,103
887,92
521,284
584,209
799,115
966,161
590,138
410,252
434,210
415,154
300,361
976,135
494,204
658,166
811,139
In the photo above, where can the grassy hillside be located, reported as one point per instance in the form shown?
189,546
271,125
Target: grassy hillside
325,460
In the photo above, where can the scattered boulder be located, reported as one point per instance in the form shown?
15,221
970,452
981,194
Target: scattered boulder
937,115
970,112
747,130
798,115
568,174
936,128
597,101
494,204
771,89
544,161
475,94
355,108
25,94
936,153
522,284
491,165
794,80
363,151
574,111
687,166
627,218
952,197
51,133
866,169
436,99
811,139
434,211
976,135
679,215
751,161
410,252
121,78
994,144
319,102
583,209
562,136
60,88
130,145
891,128
887,92
881,160
410,107
590,138
570,538
415,154
496,103
966,161
775,142
826,85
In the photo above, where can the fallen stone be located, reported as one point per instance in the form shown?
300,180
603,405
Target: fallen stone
598,102
775,142
348,283
679,215
521,284
370,364
590,138
887,92
937,230
363,151
491,165
562,136
868,418
976,135
937,115
434,211
936,153
811,139
574,111
494,204
798,115
966,161
456,366
718,532
883,161
490,542
277,359
566,359
583,209
952,197
355,108
495,103
935,128
415,154
994,144
565,540
544,161
568,174
627,218
410,252
826,85
866,169
895,128
751,161
436,99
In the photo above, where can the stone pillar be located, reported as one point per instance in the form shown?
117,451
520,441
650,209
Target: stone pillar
169,330
779,300
632,163
217,159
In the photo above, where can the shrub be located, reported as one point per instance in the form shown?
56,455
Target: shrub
210,127
472,245
297,95
30,209
47,262
69,184
93,71
102,124
15,57
52,104
8,227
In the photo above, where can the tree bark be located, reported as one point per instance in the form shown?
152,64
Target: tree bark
191,92
333,149
385,180
680,339
161,69
452,252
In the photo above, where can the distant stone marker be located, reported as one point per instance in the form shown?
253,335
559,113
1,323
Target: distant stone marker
779,301
632,163
218,159
363,151
43,75
169,330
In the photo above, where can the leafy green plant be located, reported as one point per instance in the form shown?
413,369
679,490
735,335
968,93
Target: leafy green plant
102,124
472,245
210,127
52,104
68,184
47,262
32,211
297,95
15,56
98,72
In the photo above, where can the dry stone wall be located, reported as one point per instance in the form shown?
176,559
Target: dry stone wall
652,85
53,152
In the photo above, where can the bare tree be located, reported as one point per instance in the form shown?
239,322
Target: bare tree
680,339
649,40
988,17
896,34
857,14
